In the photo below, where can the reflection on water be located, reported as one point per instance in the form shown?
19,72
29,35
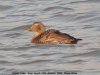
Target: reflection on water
79,18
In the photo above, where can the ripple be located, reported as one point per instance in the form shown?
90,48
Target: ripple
5,7
88,26
84,1
77,61
13,35
91,19
4,62
56,7
35,61
19,48
93,0
2,69
92,53
17,28
48,54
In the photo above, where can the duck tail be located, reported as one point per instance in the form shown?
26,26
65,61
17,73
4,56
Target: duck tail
79,39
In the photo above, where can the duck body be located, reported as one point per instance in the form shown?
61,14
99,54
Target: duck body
50,36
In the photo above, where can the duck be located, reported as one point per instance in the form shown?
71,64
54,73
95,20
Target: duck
50,36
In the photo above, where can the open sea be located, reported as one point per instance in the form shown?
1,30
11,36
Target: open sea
79,18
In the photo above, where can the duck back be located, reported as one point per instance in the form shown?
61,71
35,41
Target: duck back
55,37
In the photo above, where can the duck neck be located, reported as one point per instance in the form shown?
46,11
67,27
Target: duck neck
39,33
36,35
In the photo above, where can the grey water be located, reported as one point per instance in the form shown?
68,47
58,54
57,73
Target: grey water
79,18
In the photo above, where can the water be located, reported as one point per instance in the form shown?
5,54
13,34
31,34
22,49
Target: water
79,18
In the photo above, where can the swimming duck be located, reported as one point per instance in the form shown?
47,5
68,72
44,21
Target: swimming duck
51,36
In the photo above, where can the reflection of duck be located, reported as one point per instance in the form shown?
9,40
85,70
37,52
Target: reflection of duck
51,36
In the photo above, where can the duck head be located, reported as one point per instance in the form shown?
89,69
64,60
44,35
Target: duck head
37,27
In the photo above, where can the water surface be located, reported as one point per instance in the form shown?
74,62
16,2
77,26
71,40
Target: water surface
79,18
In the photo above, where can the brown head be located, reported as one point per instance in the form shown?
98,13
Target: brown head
37,27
